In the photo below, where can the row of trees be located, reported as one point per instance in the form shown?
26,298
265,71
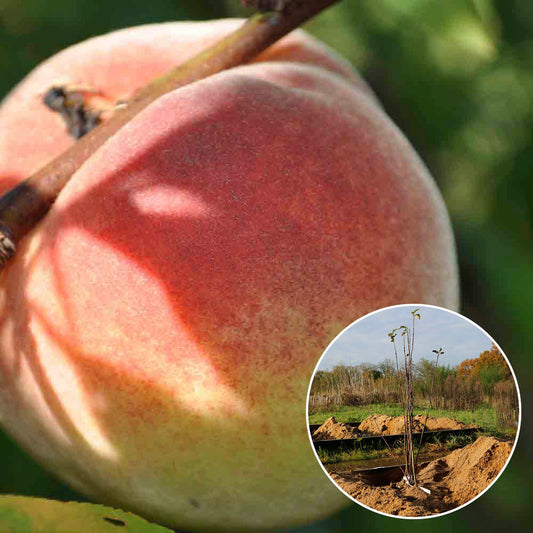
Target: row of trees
490,367
483,379
489,360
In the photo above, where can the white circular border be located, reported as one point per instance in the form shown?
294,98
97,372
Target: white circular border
420,305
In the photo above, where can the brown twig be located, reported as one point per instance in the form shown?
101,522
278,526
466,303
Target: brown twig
22,207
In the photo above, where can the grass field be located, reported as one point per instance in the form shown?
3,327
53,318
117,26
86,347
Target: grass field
363,454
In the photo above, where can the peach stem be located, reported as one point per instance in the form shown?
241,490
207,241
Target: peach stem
26,204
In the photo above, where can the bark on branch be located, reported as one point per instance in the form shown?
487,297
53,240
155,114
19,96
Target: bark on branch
25,205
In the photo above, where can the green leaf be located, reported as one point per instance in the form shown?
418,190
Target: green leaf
22,514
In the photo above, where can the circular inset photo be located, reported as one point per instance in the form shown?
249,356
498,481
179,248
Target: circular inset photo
414,411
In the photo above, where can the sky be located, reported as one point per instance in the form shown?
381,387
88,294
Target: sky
367,340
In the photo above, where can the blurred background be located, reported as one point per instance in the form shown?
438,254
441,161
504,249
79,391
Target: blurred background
457,77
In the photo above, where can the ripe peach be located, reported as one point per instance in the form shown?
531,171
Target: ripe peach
160,326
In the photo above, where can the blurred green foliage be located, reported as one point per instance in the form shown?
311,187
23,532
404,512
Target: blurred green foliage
457,77
20,514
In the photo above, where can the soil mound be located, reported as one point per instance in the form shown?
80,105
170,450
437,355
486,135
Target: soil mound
394,425
444,423
331,429
453,481
469,470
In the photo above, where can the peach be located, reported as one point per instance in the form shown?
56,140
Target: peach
160,326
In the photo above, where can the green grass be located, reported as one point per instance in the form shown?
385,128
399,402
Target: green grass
484,416
331,456
362,453
458,441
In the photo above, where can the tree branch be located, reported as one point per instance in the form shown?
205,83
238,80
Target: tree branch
25,205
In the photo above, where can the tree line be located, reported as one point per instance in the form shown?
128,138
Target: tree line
485,379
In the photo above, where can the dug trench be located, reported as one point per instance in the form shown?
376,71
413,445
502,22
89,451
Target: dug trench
452,479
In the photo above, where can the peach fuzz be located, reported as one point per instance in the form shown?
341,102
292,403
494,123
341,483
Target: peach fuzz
160,326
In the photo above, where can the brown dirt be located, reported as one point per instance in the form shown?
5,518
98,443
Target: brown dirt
331,429
453,480
393,425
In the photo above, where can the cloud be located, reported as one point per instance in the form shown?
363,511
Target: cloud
367,341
